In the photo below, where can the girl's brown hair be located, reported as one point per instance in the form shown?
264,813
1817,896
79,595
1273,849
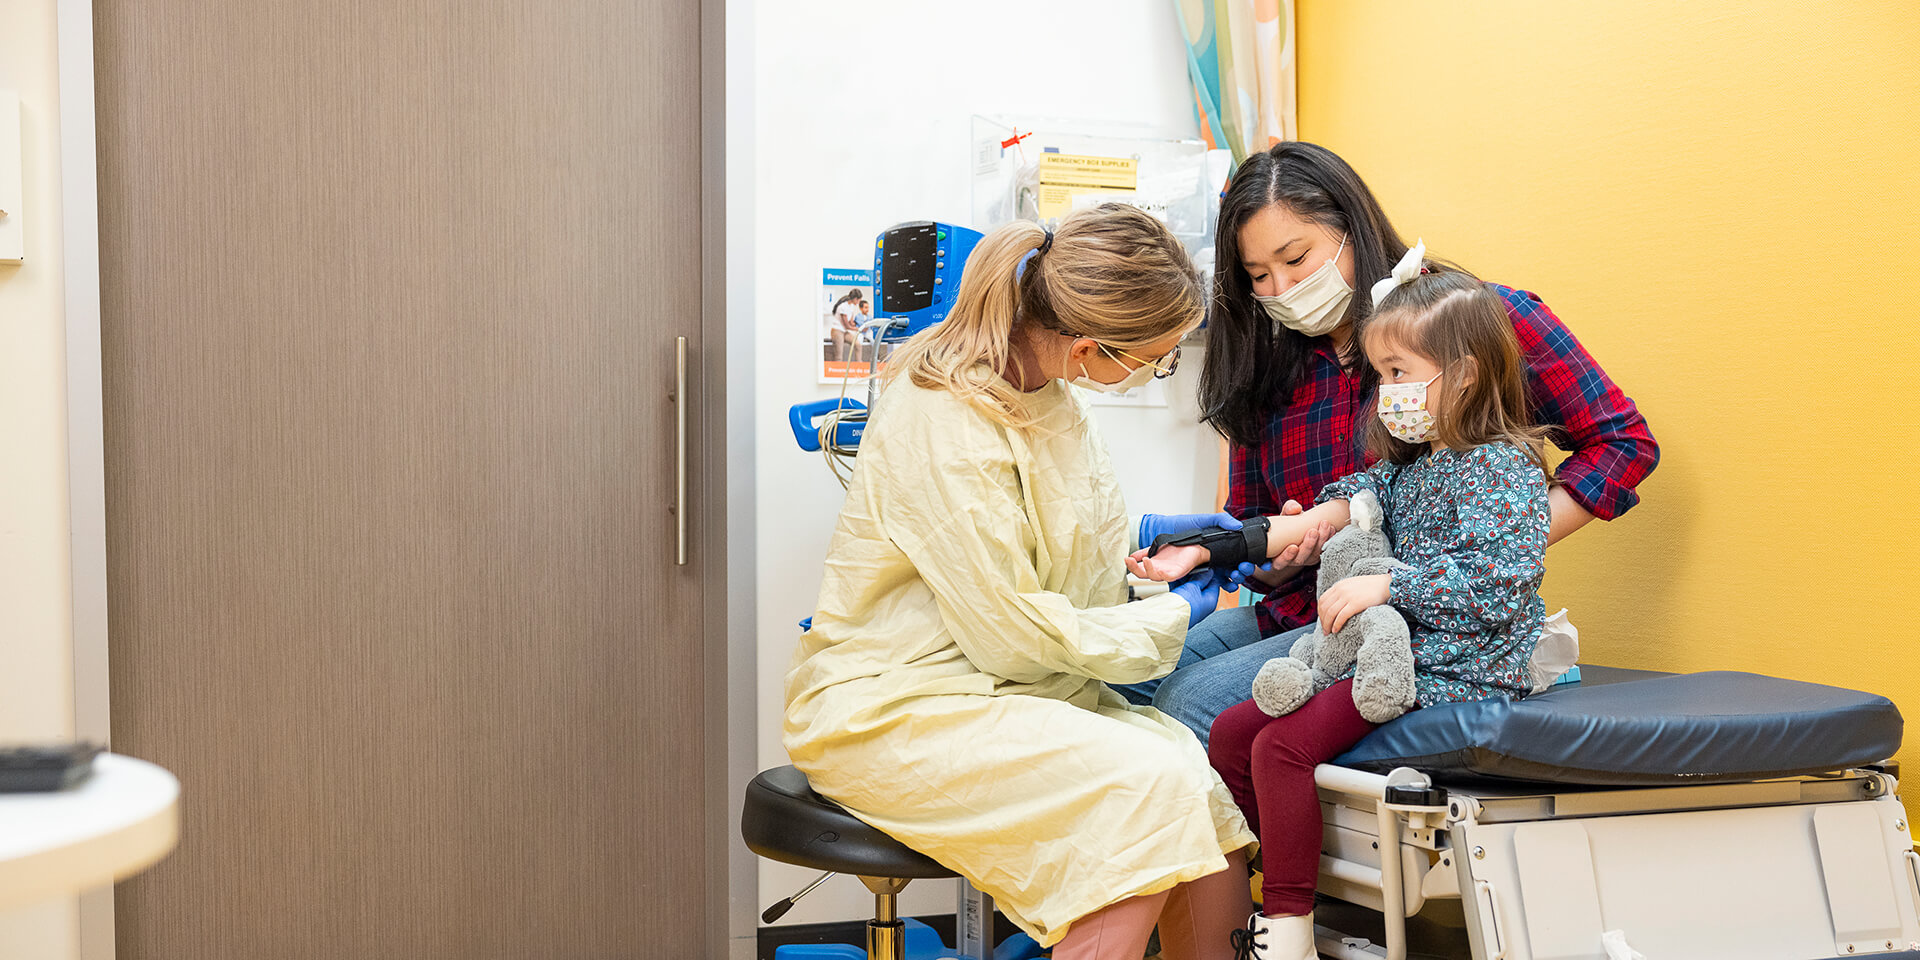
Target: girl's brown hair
1456,321
1112,273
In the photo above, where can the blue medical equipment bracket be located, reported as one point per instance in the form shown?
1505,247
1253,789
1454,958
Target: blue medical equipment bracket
804,417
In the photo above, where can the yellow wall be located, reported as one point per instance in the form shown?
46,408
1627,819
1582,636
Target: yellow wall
1722,200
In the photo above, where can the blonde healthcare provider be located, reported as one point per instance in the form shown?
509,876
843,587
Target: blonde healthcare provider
953,690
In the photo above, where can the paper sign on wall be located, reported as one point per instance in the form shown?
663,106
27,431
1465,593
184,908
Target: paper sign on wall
846,304
1064,176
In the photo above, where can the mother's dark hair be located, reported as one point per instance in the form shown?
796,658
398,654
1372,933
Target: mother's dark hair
1252,364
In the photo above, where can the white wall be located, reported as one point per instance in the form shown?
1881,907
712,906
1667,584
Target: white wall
862,120
36,651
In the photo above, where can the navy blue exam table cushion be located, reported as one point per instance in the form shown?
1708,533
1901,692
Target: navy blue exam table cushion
1641,728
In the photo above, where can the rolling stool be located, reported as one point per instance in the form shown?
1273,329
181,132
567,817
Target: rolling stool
784,820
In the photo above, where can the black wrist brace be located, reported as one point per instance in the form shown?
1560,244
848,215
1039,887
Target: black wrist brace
1228,548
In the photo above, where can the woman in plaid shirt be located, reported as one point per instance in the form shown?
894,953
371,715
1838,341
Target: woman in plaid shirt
1301,241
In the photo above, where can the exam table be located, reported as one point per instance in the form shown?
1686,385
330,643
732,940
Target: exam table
1705,815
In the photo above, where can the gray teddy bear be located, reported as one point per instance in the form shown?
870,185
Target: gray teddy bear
1375,641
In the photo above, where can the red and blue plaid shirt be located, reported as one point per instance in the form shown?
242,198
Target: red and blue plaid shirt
1320,437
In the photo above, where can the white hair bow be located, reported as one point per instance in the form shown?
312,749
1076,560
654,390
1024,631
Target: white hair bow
1403,272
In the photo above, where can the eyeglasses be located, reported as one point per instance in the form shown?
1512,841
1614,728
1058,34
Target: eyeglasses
1162,368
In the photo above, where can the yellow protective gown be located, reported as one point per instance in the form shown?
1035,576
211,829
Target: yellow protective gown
952,691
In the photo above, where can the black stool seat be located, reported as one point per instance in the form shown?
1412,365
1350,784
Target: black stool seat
785,820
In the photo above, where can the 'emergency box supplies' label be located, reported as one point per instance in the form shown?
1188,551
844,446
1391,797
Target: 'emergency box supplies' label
1063,176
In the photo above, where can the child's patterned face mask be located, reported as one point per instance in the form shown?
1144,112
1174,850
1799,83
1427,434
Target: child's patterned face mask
1403,408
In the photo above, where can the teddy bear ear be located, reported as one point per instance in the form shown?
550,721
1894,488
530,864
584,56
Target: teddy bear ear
1364,510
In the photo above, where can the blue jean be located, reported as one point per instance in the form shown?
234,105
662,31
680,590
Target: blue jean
1216,669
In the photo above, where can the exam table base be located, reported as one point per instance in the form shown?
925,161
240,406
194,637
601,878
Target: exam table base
1795,869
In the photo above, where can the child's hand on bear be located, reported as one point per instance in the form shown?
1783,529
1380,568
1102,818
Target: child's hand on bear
1170,563
1350,596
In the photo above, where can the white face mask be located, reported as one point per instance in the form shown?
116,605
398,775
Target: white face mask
1403,408
1313,306
1139,377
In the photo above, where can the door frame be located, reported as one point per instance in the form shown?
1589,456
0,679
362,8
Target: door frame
86,456
727,170
725,416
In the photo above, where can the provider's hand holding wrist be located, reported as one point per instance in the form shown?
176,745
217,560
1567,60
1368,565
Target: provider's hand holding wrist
1172,563
1154,524
1201,591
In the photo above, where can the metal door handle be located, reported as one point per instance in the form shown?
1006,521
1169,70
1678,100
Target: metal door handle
679,398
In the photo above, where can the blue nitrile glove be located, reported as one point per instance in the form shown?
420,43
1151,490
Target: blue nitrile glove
1153,525
1237,577
1201,590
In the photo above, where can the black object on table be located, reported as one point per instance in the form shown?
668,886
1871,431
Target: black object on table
31,769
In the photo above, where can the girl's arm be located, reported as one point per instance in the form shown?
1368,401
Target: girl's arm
1288,563
1284,530
1485,576
1172,563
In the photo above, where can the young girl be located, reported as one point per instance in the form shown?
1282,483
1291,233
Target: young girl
1461,479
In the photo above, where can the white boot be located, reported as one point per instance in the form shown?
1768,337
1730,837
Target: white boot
1275,938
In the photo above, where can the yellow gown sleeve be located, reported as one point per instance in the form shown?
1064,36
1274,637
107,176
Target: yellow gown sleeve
953,500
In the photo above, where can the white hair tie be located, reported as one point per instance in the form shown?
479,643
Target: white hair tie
1403,272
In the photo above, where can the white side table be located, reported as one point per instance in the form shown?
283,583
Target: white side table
116,823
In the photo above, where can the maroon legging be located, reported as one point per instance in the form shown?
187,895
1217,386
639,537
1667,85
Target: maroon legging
1268,764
